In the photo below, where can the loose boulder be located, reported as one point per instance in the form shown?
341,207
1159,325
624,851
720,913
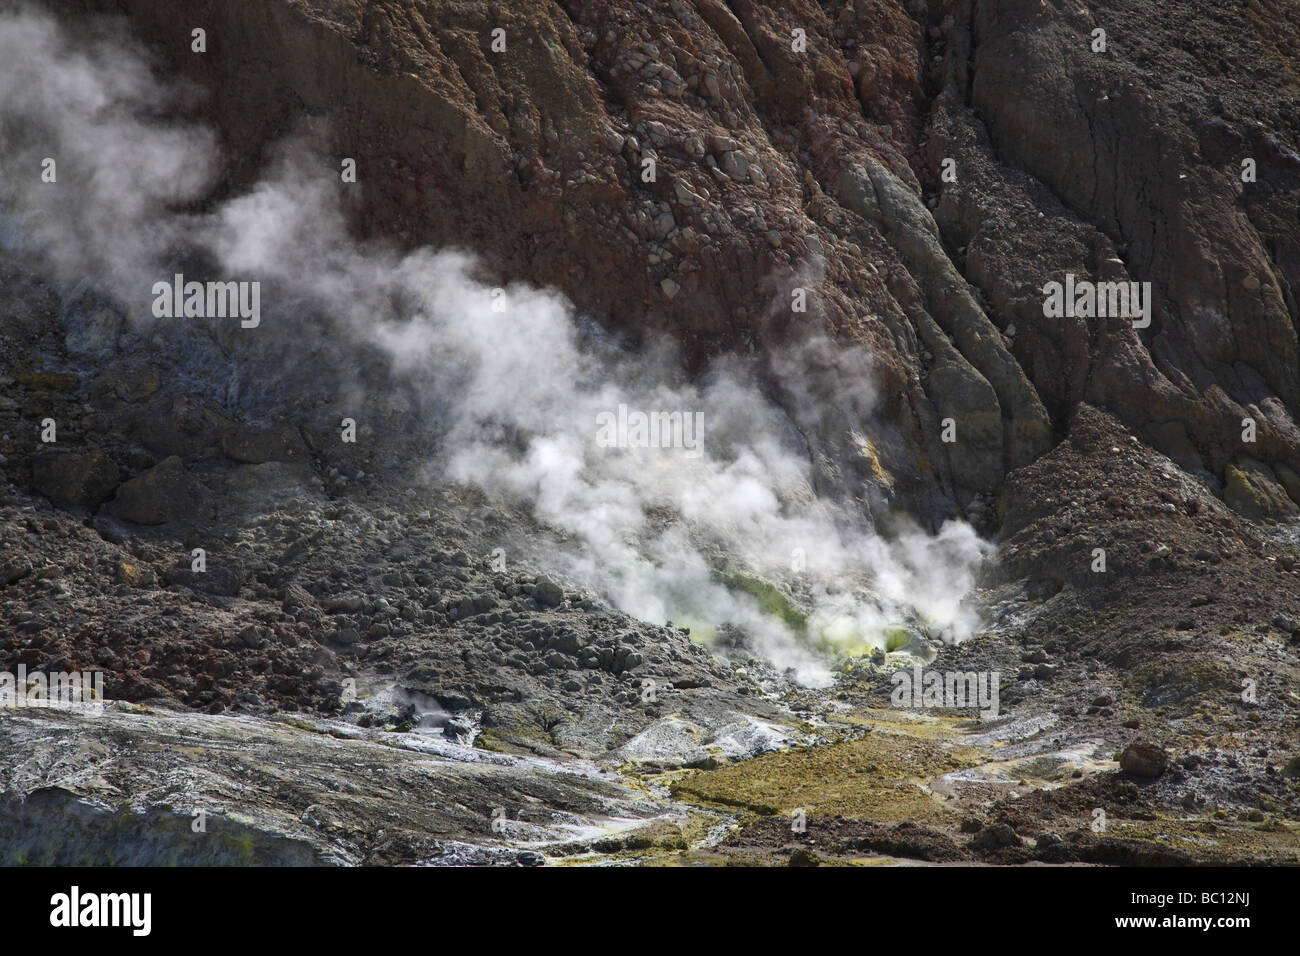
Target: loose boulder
83,478
157,496
1144,760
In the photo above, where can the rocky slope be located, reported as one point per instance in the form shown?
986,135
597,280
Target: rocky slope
775,170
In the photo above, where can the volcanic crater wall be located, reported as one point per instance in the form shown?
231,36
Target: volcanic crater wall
802,145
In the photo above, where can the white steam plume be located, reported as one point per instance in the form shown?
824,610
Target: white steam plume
662,533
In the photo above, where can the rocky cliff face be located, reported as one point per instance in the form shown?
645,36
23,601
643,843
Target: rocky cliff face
822,168
907,177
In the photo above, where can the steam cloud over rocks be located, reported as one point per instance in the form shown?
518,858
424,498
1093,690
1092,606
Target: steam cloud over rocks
698,536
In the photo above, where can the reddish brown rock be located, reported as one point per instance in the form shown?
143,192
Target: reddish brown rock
1144,760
